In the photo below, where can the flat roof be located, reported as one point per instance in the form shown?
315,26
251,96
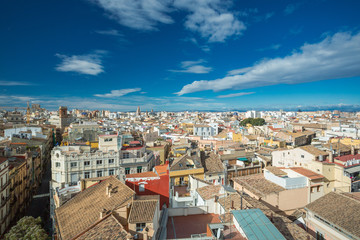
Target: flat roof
256,225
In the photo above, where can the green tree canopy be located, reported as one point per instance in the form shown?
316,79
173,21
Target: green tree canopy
27,228
253,121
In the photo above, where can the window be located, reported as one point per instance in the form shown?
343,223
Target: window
139,169
99,173
111,161
138,154
111,172
141,187
312,189
318,188
126,155
86,174
98,162
140,226
302,156
181,180
127,171
87,163
57,164
73,164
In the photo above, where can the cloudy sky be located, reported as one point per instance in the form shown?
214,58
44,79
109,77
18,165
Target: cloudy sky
180,54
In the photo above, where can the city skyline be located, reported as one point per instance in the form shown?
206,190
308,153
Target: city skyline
181,55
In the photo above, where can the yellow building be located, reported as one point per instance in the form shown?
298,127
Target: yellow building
182,167
162,150
347,141
272,142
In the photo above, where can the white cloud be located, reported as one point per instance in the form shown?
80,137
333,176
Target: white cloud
89,64
111,32
14,83
272,47
235,94
210,18
335,57
138,14
238,71
118,93
193,67
291,8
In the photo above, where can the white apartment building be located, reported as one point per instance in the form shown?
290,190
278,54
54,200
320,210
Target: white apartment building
72,163
4,195
206,131
252,114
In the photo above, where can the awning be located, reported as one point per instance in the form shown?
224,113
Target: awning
353,169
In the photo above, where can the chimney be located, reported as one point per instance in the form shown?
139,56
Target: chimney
108,189
102,213
352,150
331,156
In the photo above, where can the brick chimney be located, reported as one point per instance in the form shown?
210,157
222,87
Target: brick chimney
352,150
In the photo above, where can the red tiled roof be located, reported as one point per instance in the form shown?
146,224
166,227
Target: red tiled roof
19,143
348,157
307,173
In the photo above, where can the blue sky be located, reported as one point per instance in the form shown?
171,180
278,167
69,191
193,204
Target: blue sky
180,54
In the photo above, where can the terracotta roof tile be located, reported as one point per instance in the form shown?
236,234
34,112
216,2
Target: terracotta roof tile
339,210
258,185
307,173
80,212
107,228
143,211
209,192
313,150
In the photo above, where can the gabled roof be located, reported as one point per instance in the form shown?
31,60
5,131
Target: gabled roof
106,228
258,185
340,210
209,192
185,162
82,211
313,150
143,211
212,163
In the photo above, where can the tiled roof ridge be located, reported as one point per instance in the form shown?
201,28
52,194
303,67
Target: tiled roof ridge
346,196
97,222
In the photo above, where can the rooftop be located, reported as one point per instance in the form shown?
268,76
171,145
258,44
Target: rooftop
185,226
209,192
256,225
143,211
82,211
340,210
313,150
258,185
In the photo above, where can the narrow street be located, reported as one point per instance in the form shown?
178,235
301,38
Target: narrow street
40,204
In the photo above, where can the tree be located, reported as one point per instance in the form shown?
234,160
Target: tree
27,228
253,121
